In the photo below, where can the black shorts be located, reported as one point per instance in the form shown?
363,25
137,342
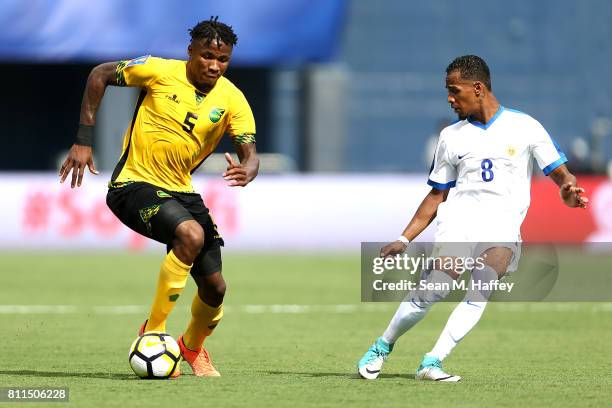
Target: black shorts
137,205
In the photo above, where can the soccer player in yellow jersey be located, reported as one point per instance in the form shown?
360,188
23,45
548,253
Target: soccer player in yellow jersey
184,109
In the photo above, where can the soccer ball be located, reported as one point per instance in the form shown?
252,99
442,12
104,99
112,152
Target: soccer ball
154,355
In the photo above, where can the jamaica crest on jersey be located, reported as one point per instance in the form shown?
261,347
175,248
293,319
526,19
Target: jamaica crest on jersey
216,114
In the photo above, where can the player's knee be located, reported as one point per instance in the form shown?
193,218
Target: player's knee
426,298
212,292
190,235
483,280
436,288
216,286
219,289
498,258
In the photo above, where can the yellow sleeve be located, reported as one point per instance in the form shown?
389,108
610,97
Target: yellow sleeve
241,126
140,72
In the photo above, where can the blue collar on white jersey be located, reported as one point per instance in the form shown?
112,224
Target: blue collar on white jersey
489,123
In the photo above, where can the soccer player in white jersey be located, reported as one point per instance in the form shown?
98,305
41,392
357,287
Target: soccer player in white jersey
486,156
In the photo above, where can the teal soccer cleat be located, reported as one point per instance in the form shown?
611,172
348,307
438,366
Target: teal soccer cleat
371,363
431,370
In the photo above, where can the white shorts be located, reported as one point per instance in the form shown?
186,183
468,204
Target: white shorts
468,235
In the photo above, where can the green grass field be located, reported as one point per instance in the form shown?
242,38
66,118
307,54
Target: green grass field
271,353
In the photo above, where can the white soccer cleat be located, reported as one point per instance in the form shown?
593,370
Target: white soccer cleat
431,370
371,363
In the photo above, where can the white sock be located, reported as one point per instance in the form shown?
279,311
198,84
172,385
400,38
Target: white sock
415,307
409,313
464,317
461,321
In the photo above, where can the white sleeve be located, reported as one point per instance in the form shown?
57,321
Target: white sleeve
546,151
443,173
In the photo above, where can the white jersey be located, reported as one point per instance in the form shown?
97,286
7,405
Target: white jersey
490,165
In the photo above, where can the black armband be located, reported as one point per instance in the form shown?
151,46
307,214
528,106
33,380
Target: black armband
84,135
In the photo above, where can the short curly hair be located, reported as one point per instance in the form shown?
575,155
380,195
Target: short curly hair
471,67
213,30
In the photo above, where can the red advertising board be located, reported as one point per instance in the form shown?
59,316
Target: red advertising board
549,220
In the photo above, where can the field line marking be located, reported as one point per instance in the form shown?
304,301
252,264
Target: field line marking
295,308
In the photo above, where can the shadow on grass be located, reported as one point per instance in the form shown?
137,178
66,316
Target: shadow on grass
67,374
350,376
132,377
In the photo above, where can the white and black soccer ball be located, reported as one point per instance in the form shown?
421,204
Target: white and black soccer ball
154,355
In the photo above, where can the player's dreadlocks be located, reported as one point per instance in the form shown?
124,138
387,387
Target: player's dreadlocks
213,30
471,67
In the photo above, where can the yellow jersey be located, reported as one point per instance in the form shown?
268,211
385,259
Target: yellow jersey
175,126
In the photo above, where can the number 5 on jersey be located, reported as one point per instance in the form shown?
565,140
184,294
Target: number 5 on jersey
188,125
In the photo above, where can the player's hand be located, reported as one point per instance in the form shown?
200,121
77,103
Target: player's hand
78,157
572,195
236,174
393,248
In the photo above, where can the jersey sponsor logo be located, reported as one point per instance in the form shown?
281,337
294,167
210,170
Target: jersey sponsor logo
138,61
173,98
462,156
216,114
173,298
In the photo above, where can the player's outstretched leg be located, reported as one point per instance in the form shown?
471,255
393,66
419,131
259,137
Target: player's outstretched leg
371,363
414,307
172,278
206,313
431,369
204,319
187,243
461,321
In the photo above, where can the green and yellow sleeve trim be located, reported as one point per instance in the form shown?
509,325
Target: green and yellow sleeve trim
243,139
120,76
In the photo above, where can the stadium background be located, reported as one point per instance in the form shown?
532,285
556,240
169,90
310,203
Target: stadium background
348,97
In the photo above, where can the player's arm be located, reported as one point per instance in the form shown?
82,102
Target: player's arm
242,174
551,160
99,78
423,216
81,153
241,129
442,177
570,193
